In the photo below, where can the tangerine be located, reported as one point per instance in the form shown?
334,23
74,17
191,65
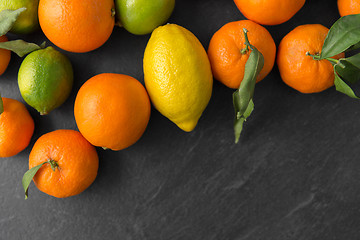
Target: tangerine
269,12
71,163
297,68
16,128
348,7
5,56
228,55
112,110
77,25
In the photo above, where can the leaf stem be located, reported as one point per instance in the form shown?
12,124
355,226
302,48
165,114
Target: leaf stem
247,43
314,56
53,164
245,50
332,60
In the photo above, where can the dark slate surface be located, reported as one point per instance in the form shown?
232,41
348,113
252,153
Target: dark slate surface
294,175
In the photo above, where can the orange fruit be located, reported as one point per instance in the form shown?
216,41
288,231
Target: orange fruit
269,12
5,56
112,110
74,160
77,25
299,70
16,128
226,56
348,7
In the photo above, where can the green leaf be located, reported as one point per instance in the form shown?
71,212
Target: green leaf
354,47
343,35
43,44
28,176
342,87
239,122
349,68
242,98
20,47
355,60
8,19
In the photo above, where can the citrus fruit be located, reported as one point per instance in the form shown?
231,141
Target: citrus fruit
228,55
45,79
28,20
112,110
299,70
348,7
78,25
269,12
177,75
16,128
71,163
5,56
143,16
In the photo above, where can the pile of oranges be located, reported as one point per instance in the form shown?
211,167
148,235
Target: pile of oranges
112,110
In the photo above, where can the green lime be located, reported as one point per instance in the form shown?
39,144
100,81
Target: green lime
28,20
45,79
143,16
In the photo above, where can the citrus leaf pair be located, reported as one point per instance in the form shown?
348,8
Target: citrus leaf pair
20,47
344,36
242,98
348,69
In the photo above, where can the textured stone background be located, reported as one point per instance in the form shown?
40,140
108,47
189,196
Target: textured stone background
294,175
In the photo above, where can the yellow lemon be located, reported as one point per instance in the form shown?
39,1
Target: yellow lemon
178,75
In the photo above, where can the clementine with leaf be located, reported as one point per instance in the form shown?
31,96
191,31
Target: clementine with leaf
62,164
297,67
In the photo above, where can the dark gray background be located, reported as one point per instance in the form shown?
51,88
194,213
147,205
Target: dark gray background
294,175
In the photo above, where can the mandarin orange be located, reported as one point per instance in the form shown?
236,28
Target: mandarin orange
227,51
269,12
112,110
348,7
5,56
16,127
297,68
71,163
77,25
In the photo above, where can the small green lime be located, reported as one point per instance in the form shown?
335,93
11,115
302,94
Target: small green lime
28,20
143,16
45,79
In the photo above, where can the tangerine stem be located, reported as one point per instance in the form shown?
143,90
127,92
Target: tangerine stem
333,61
244,50
113,12
53,164
317,58
247,43
314,56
